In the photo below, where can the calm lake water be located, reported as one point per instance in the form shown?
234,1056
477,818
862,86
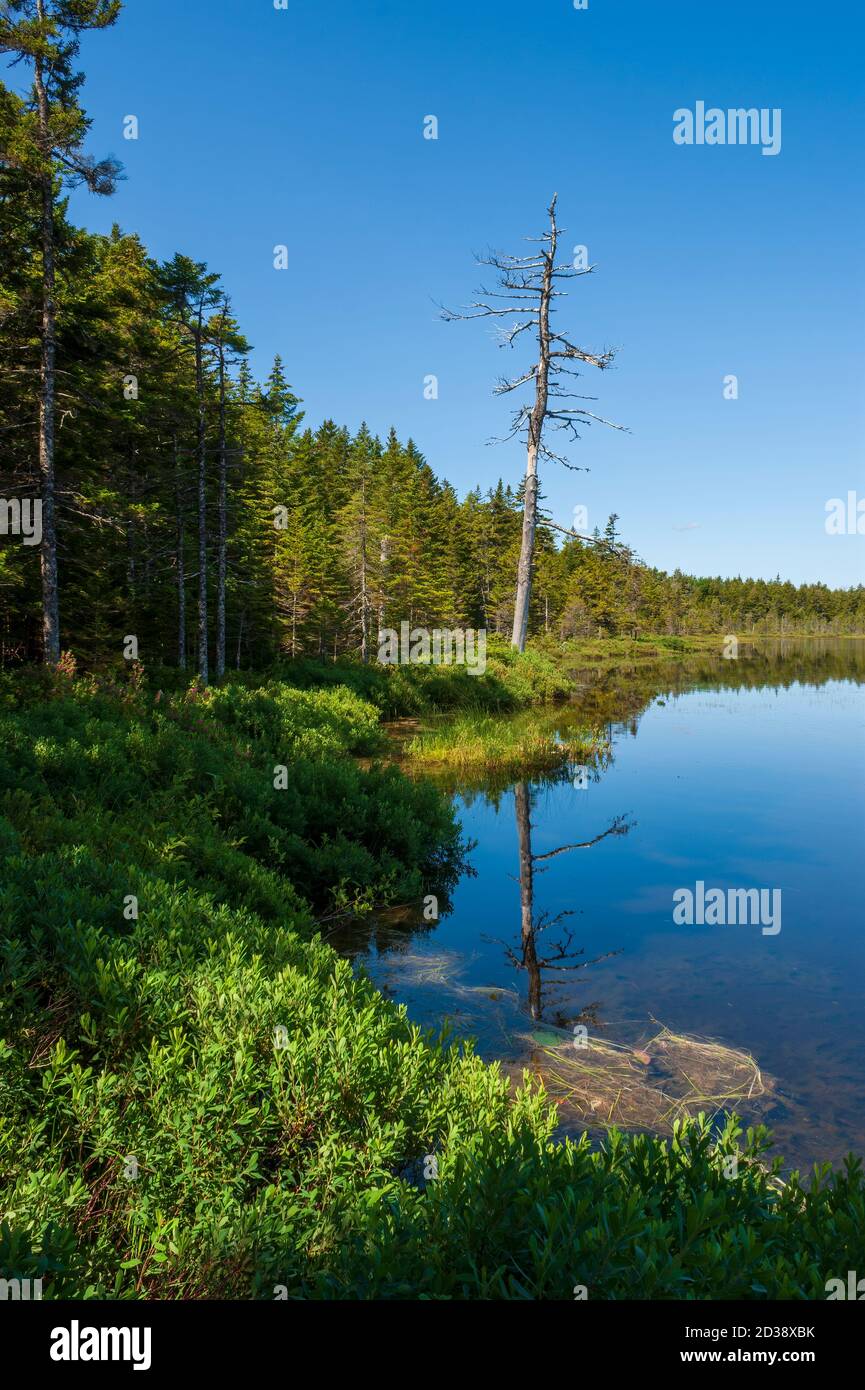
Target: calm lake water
735,774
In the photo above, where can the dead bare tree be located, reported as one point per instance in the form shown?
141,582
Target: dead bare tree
561,957
532,282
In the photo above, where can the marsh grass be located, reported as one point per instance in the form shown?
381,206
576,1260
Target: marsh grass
522,745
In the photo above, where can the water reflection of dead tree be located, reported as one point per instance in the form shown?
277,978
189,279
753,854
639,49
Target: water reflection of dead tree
562,957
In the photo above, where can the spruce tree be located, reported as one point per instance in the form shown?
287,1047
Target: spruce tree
43,136
191,291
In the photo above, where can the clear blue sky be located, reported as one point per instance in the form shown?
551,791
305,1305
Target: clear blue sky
304,127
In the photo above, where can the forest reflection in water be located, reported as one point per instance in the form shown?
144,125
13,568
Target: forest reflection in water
704,778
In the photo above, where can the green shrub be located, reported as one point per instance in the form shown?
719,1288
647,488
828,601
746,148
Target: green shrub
198,1098
511,681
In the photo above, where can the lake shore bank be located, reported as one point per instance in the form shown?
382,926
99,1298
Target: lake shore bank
170,863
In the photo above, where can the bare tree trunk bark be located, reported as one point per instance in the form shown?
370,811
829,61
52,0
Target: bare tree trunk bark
364,601
364,621
48,549
180,564
536,425
382,593
131,572
203,670
530,954
223,525
240,623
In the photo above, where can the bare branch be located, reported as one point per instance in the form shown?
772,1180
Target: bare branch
619,826
486,311
505,385
507,335
588,415
570,350
546,452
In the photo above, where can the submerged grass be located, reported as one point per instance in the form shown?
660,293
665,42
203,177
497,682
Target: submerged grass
647,1084
670,1077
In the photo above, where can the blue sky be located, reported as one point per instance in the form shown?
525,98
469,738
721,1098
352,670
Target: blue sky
304,127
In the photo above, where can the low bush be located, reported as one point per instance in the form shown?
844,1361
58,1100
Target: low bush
511,681
199,1099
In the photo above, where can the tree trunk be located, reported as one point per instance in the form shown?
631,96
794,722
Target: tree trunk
364,601
223,528
536,425
131,574
364,636
382,590
240,623
527,929
48,549
202,507
180,565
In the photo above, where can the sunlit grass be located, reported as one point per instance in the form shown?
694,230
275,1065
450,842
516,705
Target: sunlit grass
472,740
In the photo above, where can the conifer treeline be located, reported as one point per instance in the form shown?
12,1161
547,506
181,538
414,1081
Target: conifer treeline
170,454
187,516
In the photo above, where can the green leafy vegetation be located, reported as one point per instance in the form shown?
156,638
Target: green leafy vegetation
471,741
202,1100
198,1098
511,681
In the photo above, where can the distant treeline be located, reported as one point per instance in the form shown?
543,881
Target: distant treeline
173,463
